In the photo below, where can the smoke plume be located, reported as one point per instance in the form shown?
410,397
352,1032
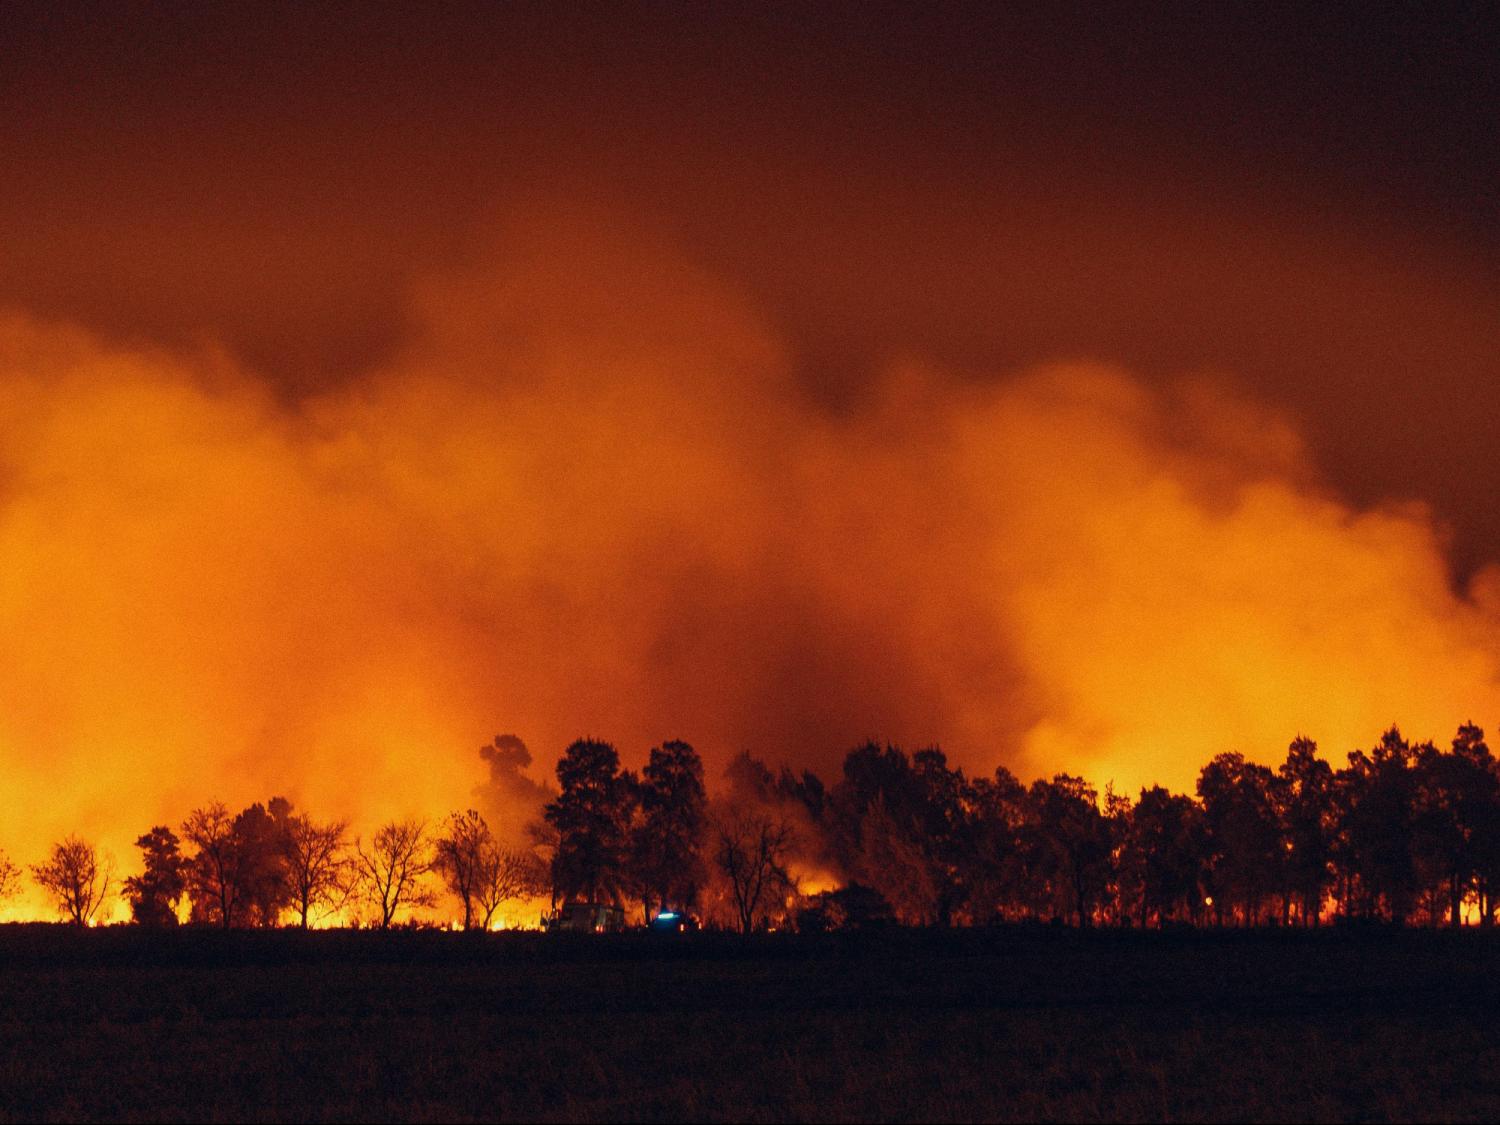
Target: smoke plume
588,497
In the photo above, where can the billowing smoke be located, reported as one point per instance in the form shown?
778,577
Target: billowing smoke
588,497
510,792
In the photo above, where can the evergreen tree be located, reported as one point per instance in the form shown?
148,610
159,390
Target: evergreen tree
591,816
154,894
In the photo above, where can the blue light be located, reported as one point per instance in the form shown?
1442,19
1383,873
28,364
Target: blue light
669,915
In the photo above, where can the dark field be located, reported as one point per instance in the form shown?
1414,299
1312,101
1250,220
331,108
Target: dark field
992,1025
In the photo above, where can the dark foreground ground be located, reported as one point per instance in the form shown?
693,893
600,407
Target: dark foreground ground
1015,1024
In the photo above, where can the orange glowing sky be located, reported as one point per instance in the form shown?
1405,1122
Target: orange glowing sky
367,390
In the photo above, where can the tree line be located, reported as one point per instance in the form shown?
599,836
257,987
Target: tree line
269,865
1404,833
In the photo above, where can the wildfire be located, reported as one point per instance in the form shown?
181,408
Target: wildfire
587,496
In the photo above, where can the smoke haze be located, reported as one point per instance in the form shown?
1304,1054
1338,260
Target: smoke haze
588,494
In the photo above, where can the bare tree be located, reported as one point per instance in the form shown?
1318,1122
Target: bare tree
320,872
460,853
504,874
213,883
76,878
392,867
751,849
10,878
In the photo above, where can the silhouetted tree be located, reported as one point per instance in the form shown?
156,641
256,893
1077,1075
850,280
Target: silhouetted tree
996,873
392,869
10,878
504,874
944,822
751,852
1163,856
237,873
1455,814
259,838
154,894
668,835
870,772
1405,832
1068,845
1377,808
319,871
592,816
853,907
801,802
212,871
1119,904
459,856
1305,807
1479,813
806,789
76,878
894,862
902,826
1243,836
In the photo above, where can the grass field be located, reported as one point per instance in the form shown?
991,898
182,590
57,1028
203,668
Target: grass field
1012,1024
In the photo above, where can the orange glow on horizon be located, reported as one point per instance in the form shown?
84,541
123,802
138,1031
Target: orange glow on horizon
587,496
